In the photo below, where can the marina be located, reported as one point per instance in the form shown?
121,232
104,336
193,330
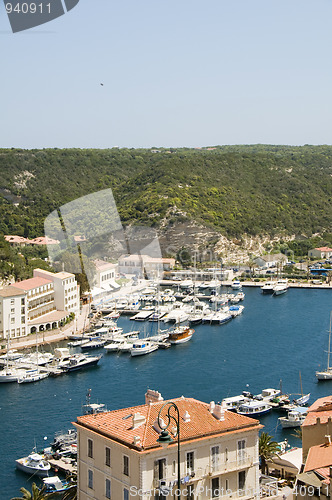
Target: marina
289,334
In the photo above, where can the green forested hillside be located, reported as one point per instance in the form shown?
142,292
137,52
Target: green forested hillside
233,189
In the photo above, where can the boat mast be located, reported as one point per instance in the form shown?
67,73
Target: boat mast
329,347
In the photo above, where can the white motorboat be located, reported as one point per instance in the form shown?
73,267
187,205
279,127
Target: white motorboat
93,344
268,287
55,485
11,355
281,287
236,285
295,418
114,345
302,400
235,310
177,315
79,361
327,373
143,347
32,376
221,317
268,395
234,402
254,408
33,464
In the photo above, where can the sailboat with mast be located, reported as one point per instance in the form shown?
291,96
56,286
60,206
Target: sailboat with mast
304,398
33,374
327,373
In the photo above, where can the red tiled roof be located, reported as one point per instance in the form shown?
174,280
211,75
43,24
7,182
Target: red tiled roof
319,456
324,249
31,283
322,408
118,424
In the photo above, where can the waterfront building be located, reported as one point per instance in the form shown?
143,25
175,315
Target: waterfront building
139,265
320,253
270,260
119,456
317,424
38,304
315,480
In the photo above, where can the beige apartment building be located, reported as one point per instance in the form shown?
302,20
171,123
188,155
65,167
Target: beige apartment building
38,304
119,456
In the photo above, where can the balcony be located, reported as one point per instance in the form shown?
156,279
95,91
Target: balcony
229,466
40,304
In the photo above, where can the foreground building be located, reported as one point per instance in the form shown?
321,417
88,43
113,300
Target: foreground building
120,458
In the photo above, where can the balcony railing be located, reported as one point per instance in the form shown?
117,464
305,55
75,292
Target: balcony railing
39,304
210,470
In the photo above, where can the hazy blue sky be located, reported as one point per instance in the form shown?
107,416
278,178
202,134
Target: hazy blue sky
175,73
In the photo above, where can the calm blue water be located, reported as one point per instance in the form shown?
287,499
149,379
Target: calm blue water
275,338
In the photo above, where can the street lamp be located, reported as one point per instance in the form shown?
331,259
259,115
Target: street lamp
165,438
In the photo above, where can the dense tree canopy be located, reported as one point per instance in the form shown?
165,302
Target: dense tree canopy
234,189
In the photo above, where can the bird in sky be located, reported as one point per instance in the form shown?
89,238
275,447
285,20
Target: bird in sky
102,84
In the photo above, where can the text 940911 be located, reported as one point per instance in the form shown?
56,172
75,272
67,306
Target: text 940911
28,8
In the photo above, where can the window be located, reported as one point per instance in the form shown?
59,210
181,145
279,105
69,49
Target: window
12,320
241,450
22,302
226,485
215,487
125,494
108,457
242,479
126,465
190,461
108,488
12,311
90,448
215,457
90,478
226,454
12,302
160,469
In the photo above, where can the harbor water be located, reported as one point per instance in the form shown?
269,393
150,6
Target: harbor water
274,339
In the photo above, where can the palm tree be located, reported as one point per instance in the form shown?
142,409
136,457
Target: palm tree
37,494
267,450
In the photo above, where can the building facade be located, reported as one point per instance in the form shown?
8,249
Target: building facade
38,304
320,253
141,265
120,458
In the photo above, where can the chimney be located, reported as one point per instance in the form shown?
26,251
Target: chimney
219,412
318,421
327,439
156,426
152,397
212,405
138,420
137,440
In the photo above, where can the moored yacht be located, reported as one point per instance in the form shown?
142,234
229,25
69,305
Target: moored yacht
141,347
254,408
33,464
180,334
268,287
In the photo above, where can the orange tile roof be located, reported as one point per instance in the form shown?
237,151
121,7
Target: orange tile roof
319,456
322,409
324,249
118,424
31,283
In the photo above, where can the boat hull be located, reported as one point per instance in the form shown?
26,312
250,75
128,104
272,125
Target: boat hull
327,375
31,470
